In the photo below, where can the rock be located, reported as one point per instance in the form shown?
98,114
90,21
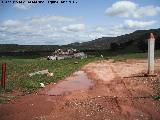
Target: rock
75,62
111,60
87,115
39,73
42,85
101,56
50,74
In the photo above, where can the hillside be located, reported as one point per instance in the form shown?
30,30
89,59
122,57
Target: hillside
25,48
133,42
132,39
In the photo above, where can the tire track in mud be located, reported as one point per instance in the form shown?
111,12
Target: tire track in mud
132,105
129,93
112,97
130,97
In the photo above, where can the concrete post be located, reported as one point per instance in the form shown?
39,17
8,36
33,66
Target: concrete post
151,45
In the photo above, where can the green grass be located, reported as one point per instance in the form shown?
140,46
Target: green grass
18,72
134,56
6,98
19,57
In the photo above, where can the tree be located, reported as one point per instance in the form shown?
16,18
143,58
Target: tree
114,46
143,45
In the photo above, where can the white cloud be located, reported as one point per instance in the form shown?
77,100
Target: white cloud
129,26
51,18
138,24
131,9
146,11
74,28
99,29
121,8
12,23
42,30
62,30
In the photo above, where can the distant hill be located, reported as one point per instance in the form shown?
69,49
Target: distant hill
133,42
26,48
135,39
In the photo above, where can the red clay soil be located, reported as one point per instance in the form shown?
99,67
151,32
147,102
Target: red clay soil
113,91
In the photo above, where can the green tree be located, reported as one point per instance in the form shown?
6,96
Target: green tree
114,46
142,45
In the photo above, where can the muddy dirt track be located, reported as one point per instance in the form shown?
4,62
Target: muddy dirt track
103,90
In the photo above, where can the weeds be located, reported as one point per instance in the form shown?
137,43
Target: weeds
18,72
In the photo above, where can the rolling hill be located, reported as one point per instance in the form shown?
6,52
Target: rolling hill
133,42
132,39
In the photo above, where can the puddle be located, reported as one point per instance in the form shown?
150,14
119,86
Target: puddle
78,81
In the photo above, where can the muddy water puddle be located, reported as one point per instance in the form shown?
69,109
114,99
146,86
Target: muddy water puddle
78,81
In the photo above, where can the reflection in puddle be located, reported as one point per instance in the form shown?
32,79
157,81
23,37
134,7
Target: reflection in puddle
78,81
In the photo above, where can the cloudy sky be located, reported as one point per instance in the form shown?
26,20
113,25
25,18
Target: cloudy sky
50,24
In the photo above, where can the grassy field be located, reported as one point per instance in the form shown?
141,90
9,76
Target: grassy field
134,56
18,72
18,69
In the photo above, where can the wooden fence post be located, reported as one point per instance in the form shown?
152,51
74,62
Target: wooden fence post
3,77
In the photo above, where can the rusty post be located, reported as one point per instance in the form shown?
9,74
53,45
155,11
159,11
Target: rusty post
151,47
3,77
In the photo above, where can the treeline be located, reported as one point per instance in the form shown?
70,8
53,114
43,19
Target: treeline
27,48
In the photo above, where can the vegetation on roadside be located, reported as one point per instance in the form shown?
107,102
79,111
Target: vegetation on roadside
134,56
18,72
18,69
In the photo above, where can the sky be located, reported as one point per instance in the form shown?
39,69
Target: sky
78,21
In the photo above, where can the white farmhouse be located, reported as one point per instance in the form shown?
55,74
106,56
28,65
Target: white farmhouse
81,55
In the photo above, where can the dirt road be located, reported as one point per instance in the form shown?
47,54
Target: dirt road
103,90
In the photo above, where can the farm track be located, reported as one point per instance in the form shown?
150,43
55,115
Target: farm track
119,91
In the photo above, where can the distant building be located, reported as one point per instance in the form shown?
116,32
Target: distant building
81,55
52,58
60,54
